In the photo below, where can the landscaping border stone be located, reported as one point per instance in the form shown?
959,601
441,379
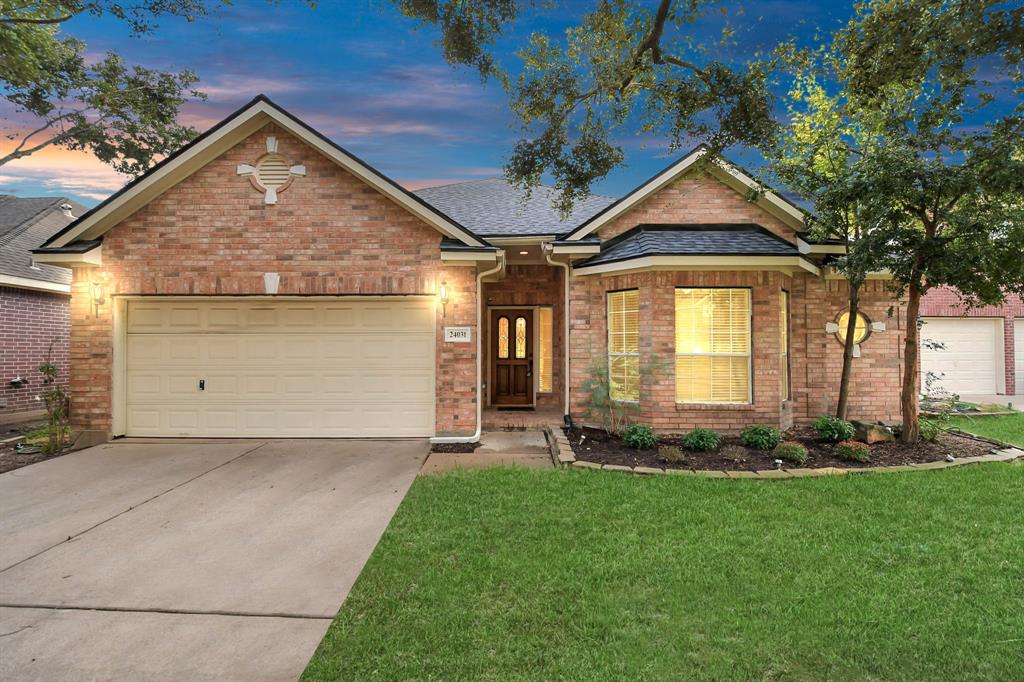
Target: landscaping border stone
562,453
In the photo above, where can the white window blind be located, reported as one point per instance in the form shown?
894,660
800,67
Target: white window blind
624,345
713,345
784,343
546,350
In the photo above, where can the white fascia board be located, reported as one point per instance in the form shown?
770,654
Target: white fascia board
519,241
805,247
716,263
575,249
219,141
782,209
34,284
832,273
88,259
468,257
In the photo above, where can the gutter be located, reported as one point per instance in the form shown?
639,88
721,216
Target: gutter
479,361
548,248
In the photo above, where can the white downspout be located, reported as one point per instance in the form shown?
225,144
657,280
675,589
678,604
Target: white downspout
479,361
565,318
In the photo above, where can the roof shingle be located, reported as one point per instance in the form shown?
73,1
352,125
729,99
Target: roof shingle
25,223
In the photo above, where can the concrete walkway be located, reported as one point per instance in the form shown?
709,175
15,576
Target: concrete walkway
1013,402
188,560
497,448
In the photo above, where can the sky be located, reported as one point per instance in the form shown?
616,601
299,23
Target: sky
370,80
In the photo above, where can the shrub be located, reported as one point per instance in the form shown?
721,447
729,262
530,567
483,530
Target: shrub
736,453
701,439
852,451
761,437
639,436
791,452
930,429
833,429
671,454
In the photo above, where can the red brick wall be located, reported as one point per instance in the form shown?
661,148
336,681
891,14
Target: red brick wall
532,285
696,198
329,234
946,302
32,321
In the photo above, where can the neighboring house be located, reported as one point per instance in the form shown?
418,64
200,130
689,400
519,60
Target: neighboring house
33,300
982,349
264,282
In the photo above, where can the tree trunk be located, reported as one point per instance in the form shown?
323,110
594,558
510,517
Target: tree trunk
909,406
851,332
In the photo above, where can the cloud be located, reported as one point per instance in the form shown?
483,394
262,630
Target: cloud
61,171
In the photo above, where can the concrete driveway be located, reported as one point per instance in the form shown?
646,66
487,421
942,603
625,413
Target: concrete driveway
194,560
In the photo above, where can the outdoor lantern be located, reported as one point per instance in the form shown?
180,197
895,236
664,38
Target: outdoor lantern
97,292
443,295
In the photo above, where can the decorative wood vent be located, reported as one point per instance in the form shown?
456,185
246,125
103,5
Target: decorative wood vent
271,174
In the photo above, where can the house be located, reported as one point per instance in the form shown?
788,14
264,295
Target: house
33,300
265,282
982,349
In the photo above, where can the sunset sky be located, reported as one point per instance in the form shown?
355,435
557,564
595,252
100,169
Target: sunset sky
367,78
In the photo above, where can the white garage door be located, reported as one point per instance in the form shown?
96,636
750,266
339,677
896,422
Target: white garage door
295,368
970,361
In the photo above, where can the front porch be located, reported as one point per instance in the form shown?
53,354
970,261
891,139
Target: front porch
521,418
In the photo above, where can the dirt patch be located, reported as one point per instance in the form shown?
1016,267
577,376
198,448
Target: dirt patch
454,447
10,459
594,445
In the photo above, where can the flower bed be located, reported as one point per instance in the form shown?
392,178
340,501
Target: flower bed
594,445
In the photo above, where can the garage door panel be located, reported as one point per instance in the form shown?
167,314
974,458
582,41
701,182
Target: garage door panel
1018,354
311,368
969,361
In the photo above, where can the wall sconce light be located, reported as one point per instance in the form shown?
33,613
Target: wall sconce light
444,295
98,293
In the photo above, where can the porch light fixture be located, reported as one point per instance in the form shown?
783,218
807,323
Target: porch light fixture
443,295
524,253
98,294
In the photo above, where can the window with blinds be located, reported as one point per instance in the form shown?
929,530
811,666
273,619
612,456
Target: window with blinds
624,345
784,343
713,345
546,351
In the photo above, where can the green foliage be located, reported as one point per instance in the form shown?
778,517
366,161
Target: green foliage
701,439
620,68
930,429
640,436
852,451
761,437
612,414
791,452
56,402
833,429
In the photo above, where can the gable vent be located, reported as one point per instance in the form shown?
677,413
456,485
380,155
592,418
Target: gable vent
272,171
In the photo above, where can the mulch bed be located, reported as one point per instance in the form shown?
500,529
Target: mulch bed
11,459
454,447
594,445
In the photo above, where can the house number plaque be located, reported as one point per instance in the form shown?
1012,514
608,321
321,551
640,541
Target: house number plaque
457,334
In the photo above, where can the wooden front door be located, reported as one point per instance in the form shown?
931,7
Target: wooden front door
511,357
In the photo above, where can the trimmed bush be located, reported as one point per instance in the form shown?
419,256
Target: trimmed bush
791,452
833,429
852,451
701,439
639,436
761,437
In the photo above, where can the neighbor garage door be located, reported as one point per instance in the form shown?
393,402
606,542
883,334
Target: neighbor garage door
970,361
1018,354
295,368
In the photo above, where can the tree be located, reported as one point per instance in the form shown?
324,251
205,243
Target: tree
628,65
946,170
815,156
125,115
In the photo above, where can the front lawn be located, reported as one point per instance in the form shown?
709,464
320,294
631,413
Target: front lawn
509,574
1008,428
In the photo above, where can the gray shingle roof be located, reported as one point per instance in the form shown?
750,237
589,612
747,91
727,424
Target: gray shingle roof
25,223
692,240
494,208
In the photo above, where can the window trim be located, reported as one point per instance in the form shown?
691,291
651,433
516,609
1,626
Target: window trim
749,353
841,329
608,348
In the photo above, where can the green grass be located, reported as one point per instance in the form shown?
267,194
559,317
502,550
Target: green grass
511,574
1008,428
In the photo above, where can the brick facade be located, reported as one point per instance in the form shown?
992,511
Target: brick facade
36,324
946,302
815,357
213,235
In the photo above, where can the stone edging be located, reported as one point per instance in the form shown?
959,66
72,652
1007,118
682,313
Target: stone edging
562,454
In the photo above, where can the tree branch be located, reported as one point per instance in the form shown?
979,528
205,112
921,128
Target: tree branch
19,20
